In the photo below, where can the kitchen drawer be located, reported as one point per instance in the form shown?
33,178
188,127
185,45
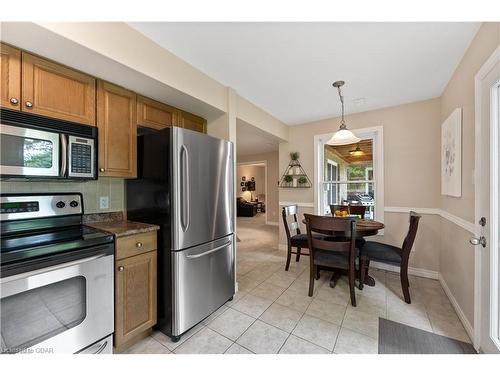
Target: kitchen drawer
135,244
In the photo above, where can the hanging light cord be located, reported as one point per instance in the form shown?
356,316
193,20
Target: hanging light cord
342,123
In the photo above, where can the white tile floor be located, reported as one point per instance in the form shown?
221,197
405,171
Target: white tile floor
272,312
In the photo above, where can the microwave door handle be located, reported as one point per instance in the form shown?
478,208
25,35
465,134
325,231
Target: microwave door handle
64,154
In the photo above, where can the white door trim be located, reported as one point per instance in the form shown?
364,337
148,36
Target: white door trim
478,79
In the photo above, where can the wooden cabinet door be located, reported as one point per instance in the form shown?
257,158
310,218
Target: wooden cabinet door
155,115
116,117
192,122
53,90
135,296
10,93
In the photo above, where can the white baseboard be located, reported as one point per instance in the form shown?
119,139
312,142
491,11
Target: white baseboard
428,274
458,310
420,272
275,223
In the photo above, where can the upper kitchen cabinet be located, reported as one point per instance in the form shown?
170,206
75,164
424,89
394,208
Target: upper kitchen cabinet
53,90
10,60
192,122
155,115
116,121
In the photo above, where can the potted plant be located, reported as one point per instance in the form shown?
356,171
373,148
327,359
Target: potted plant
302,180
288,179
294,155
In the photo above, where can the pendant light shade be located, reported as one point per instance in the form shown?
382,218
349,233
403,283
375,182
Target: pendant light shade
343,136
357,151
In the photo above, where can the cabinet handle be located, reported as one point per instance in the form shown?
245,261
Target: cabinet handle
29,104
101,169
121,268
138,244
14,101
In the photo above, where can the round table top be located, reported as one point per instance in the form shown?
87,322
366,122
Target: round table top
365,227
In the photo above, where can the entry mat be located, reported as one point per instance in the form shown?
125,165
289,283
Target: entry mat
396,338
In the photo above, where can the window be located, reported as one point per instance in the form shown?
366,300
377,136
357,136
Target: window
331,174
347,178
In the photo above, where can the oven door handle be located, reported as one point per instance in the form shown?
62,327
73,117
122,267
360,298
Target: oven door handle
64,154
50,269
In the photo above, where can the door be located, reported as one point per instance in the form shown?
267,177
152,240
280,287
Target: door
53,90
203,281
203,185
155,115
62,308
116,120
28,152
10,93
135,296
487,206
192,122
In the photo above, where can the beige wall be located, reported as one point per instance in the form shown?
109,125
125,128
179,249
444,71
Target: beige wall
114,188
411,152
271,158
411,169
457,256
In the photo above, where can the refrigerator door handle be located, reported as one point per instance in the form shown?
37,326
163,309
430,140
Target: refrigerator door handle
209,251
184,157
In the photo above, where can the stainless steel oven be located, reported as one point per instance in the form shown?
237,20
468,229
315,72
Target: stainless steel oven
39,147
58,309
56,277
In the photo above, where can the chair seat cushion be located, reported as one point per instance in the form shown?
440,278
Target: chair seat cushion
333,259
300,240
381,252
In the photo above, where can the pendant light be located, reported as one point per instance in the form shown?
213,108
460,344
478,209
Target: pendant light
343,136
357,151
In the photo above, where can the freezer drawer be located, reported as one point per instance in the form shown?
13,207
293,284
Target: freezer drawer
203,278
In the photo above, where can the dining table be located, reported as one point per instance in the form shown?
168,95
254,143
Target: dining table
364,228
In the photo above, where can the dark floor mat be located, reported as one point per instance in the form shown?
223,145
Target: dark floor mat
396,338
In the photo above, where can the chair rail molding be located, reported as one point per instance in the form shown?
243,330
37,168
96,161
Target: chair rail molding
300,204
467,225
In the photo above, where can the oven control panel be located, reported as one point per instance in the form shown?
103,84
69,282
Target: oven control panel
15,207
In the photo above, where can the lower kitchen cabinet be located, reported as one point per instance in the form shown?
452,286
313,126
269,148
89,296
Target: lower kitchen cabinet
135,291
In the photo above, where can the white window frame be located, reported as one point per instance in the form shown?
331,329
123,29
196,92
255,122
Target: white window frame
376,134
335,164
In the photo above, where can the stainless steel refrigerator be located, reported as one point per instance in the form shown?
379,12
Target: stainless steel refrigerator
185,185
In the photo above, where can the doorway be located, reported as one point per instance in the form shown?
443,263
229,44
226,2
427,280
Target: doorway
487,207
251,180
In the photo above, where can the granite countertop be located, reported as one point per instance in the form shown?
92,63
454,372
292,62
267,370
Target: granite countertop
115,223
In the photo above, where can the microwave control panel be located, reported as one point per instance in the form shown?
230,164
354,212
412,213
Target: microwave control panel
81,157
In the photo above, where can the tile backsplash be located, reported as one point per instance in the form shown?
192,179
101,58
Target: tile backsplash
114,188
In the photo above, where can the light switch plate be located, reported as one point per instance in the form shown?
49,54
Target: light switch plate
103,203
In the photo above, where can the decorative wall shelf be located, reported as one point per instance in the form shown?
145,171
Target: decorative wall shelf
294,176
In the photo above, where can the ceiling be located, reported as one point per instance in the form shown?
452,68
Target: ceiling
252,140
343,151
287,68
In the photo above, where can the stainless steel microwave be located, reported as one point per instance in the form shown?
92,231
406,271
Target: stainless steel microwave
38,147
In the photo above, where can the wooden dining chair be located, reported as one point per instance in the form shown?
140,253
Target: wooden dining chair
293,235
393,255
357,210
332,252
